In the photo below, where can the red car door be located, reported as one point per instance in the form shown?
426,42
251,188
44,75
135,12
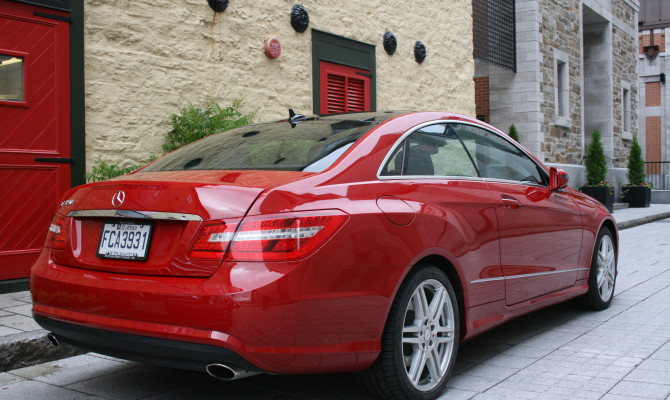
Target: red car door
540,239
540,229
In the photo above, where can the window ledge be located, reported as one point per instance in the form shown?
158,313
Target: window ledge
565,122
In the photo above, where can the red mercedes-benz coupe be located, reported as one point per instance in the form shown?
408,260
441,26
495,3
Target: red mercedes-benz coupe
368,242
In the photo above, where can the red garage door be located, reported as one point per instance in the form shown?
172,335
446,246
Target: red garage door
34,130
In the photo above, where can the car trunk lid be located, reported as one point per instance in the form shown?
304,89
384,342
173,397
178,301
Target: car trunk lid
145,223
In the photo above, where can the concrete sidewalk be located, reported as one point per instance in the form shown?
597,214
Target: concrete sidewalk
23,342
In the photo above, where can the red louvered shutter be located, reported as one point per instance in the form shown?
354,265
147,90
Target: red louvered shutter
343,89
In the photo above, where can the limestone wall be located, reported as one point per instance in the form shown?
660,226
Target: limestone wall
145,59
625,75
560,33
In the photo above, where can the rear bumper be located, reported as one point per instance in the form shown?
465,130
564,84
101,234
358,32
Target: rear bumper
167,353
312,316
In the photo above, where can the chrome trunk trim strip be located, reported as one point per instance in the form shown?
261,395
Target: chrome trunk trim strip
134,214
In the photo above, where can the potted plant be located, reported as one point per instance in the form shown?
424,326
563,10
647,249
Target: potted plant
637,193
596,172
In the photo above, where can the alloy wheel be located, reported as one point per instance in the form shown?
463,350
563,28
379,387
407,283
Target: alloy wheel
428,335
606,268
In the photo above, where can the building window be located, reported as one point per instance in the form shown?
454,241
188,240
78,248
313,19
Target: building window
562,89
11,78
343,89
343,74
625,98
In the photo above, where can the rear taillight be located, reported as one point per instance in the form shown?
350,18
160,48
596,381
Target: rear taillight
213,239
56,233
279,237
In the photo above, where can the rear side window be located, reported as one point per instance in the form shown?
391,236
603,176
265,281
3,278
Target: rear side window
433,150
311,146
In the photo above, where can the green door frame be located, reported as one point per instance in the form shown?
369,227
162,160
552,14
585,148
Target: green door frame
341,50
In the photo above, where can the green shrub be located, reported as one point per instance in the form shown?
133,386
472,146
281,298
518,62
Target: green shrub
102,171
596,164
513,133
193,123
190,125
636,175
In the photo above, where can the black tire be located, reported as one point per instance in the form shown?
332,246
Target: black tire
434,337
602,276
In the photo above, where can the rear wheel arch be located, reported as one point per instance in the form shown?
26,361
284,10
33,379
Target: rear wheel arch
448,268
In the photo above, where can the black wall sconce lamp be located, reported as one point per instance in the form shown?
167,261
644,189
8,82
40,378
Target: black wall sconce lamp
419,52
218,5
299,18
390,43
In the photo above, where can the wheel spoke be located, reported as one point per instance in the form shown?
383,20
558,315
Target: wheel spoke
601,277
417,303
432,363
418,364
444,329
425,307
437,305
411,329
444,339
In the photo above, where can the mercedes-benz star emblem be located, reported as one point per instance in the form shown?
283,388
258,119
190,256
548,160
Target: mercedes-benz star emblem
118,198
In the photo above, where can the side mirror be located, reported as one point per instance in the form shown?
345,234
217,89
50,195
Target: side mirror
558,179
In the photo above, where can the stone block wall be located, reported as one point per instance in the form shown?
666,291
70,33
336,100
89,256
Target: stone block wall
625,75
561,27
146,59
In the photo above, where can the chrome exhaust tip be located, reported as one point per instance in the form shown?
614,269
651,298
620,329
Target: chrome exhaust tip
53,339
220,371
227,373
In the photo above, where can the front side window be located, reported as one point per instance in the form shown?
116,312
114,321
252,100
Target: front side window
11,78
496,158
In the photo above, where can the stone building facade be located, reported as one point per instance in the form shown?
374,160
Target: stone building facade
654,67
575,72
144,60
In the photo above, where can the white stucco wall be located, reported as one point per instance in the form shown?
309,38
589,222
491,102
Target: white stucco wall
145,59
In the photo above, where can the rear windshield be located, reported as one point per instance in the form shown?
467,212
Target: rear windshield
311,146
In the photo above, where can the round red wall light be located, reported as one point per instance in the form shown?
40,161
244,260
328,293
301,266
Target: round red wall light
272,47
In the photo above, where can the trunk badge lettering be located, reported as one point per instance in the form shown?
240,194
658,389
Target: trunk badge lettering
66,203
118,198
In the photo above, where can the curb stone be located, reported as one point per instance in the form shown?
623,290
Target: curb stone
642,220
31,348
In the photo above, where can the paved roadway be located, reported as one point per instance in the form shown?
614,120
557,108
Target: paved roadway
558,353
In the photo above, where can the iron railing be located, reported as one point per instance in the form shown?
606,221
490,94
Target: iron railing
658,174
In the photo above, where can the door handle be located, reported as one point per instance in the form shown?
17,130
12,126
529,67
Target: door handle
510,202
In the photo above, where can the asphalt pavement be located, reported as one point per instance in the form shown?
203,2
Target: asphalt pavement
558,353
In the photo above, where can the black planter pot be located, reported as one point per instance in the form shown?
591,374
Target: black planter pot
600,193
637,196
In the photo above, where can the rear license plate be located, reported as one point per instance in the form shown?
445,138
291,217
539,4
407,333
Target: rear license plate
125,240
